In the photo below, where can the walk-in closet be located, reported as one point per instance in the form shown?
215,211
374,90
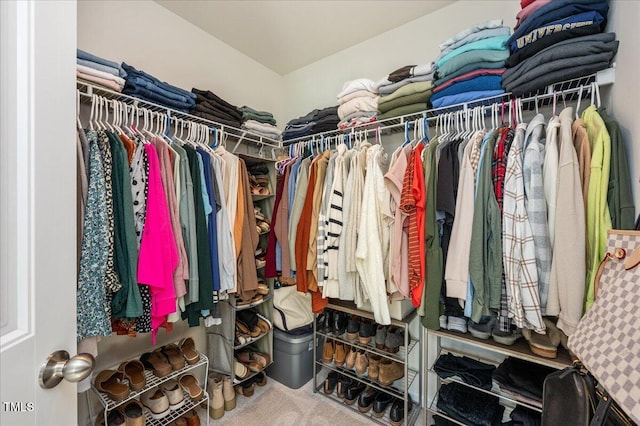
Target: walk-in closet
319,212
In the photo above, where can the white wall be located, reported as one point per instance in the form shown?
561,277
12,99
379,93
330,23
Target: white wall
416,42
625,93
151,38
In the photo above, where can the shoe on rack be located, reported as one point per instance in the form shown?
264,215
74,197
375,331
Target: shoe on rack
361,362
344,382
544,345
330,382
320,319
134,372
374,366
249,358
247,388
458,324
263,289
263,323
113,384
327,352
394,339
396,413
190,384
380,404
340,353
192,418
174,394
350,361
174,355
443,321
156,402
366,398
114,418
216,400
133,413
366,332
483,329
327,325
507,338
157,363
353,326
260,379
188,348
340,321
381,334
389,372
353,392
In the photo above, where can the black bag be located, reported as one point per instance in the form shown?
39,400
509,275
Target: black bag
572,397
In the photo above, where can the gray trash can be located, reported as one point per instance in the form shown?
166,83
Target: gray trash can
293,359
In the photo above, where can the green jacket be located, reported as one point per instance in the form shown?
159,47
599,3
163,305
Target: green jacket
619,196
485,257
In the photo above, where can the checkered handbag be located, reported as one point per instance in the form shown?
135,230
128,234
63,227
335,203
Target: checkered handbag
607,340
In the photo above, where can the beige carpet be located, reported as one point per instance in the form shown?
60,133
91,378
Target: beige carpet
276,404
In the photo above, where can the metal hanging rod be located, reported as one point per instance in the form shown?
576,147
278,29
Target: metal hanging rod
87,90
567,90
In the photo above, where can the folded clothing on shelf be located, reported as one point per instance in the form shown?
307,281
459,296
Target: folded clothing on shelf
412,93
318,120
214,108
249,113
469,406
473,372
387,88
404,110
565,60
145,86
263,129
554,11
465,97
523,377
92,61
475,84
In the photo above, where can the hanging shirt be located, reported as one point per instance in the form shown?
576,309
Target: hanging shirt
536,208
158,254
598,216
550,174
226,250
568,268
92,318
335,223
371,241
346,276
212,212
398,285
518,247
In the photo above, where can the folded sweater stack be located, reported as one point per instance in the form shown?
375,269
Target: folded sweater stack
102,72
212,107
405,91
147,87
358,103
471,64
260,122
318,120
557,41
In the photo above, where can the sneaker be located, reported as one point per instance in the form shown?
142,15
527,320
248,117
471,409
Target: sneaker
483,329
507,338
457,324
156,402
443,321
174,394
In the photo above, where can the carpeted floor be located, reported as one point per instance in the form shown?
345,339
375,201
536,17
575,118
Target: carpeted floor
276,404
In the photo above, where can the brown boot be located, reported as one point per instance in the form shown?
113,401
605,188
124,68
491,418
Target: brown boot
374,362
327,352
340,354
216,404
351,358
361,362
389,372
228,393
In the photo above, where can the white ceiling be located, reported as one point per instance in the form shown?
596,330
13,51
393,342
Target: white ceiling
287,35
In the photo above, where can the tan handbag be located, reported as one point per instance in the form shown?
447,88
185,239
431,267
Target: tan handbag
607,339
292,308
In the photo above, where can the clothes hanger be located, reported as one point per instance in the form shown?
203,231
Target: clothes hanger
578,104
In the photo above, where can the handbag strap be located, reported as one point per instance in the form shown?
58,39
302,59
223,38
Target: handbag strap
600,415
596,281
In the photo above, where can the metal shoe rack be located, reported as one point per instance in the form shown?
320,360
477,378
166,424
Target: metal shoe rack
221,338
152,382
399,389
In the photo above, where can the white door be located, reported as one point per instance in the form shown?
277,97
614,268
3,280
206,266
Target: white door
37,207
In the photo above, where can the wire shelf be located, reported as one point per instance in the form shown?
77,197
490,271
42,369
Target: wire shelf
252,340
567,90
237,381
384,420
152,382
394,389
399,356
87,90
174,414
